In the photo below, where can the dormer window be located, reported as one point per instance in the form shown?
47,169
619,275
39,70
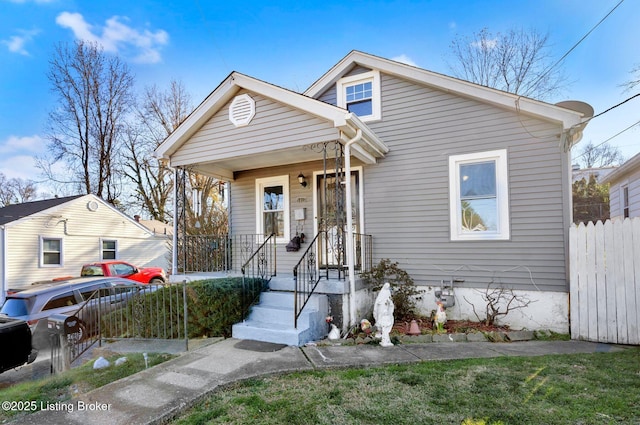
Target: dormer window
360,94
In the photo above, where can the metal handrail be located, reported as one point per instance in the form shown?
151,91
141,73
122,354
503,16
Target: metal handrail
263,258
262,267
306,275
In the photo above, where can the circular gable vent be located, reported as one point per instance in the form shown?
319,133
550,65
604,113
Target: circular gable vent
242,110
92,206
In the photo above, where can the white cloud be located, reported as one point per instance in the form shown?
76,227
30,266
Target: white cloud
117,36
16,43
485,44
404,59
20,167
28,144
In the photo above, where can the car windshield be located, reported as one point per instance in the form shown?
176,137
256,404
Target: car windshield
14,307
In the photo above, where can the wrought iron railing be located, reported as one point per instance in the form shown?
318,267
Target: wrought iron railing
123,311
204,253
258,269
363,252
306,275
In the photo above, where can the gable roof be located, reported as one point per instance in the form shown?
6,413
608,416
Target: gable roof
17,211
346,122
629,167
570,119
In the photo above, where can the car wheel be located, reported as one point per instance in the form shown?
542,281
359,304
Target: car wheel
156,281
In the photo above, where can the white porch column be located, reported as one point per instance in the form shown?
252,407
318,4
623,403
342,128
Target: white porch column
349,244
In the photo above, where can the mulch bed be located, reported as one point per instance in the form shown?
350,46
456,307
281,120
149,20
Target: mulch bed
452,326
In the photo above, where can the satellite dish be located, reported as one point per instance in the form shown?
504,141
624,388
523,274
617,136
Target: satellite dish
575,105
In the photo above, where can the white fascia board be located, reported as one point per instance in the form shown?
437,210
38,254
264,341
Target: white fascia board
368,136
627,168
547,111
293,99
364,156
225,91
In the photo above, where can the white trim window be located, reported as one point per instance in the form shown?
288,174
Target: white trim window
360,94
108,249
51,254
272,207
624,197
479,196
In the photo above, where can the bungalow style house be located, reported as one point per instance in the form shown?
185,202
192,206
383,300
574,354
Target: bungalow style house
466,187
624,189
53,238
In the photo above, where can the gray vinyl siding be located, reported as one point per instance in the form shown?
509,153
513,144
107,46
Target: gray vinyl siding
407,193
275,126
243,206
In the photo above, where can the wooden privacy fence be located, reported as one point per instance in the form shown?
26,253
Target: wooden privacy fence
605,281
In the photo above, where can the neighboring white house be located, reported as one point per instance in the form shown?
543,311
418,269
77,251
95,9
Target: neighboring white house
53,238
624,190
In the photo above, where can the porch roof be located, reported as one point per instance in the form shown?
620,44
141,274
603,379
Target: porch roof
332,124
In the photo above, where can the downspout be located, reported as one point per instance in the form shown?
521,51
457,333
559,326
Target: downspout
350,259
174,249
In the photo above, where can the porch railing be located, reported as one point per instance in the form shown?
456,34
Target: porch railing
306,275
308,271
258,269
204,253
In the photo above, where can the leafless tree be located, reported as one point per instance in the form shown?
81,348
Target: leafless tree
86,129
605,155
499,302
159,113
517,61
635,80
16,190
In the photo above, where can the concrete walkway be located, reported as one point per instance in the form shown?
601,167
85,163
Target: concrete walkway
160,393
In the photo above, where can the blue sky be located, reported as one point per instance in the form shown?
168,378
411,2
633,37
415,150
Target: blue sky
292,43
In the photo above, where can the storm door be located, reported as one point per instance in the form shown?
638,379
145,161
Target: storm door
332,217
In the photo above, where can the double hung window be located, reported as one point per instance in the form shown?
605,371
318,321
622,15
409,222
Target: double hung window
272,204
50,252
479,204
360,94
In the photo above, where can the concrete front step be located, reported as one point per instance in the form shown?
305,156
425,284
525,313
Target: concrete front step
272,320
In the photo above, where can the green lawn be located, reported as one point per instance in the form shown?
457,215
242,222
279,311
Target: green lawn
600,388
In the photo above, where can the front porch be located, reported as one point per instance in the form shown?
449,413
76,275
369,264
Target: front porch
293,307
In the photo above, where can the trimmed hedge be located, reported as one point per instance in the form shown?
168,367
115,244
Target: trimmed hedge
213,306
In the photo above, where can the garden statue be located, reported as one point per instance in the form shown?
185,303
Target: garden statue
383,315
334,333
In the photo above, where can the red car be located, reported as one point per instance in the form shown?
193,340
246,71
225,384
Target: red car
154,275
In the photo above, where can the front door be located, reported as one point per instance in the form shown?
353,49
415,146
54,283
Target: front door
331,216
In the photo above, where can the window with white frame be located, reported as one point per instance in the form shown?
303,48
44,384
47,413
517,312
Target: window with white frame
360,94
479,196
109,249
272,204
625,201
50,252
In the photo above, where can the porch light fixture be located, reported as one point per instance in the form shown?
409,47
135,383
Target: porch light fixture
301,180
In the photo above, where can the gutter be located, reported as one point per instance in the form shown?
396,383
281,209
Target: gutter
349,245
